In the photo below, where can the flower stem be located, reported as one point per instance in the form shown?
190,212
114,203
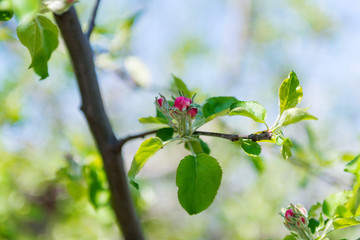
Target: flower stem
191,148
326,230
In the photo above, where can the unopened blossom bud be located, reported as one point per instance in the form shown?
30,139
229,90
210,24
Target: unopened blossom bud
192,112
160,101
288,214
182,103
295,218
301,209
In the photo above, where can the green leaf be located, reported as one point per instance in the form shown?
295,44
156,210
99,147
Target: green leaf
346,222
6,13
258,163
354,202
251,148
289,237
313,224
198,179
313,209
353,166
41,38
198,146
249,109
165,133
157,120
205,147
147,149
216,107
290,92
95,187
131,20
181,86
332,202
294,115
286,148
25,11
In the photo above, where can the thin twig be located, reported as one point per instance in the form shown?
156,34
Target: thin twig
232,137
118,145
92,19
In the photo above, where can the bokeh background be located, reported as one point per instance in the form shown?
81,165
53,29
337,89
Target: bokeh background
52,185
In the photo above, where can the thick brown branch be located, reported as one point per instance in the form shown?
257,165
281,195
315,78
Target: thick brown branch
92,105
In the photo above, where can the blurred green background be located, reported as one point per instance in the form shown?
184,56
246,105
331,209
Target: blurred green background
52,185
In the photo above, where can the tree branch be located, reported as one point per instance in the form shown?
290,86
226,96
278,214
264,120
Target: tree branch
119,144
92,19
93,108
232,137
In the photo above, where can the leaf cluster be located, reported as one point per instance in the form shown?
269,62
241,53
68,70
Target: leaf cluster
199,175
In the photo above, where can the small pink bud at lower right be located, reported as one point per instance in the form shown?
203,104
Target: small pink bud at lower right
192,112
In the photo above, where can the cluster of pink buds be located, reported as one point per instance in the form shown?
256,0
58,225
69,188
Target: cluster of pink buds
181,105
296,220
180,114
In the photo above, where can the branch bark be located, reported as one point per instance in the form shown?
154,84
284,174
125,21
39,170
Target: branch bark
265,135
93,108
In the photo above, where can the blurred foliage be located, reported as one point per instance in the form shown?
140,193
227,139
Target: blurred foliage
51,177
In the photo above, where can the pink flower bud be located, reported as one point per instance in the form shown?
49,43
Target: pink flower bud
302,209
192,112
289,213
160,101
182,103
302,219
